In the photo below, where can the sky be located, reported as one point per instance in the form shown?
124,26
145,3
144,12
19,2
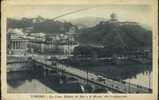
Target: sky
137,13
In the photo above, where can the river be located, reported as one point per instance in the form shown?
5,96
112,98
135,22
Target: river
23,82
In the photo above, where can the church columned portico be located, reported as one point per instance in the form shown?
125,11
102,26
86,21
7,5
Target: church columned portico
18,46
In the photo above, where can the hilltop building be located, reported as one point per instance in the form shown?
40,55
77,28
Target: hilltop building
114,19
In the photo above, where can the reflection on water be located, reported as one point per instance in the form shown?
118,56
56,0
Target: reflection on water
29,82
15,83
24,82
26,86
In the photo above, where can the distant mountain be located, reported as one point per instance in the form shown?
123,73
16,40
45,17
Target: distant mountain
87,21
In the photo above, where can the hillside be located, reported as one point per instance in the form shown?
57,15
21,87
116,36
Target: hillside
39,25
116,35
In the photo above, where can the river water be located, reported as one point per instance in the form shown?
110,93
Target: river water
26,86
24,82
37,81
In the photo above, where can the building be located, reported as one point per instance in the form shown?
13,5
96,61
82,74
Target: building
17,45
114,20
113,17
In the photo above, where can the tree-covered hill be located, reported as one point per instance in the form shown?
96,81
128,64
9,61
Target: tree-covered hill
116,35
39,25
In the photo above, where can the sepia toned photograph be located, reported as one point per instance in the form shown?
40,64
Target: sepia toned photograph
79,49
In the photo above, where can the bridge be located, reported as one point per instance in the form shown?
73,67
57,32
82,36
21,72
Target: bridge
119,86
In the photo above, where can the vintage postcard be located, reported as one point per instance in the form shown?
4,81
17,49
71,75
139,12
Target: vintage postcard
72,49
